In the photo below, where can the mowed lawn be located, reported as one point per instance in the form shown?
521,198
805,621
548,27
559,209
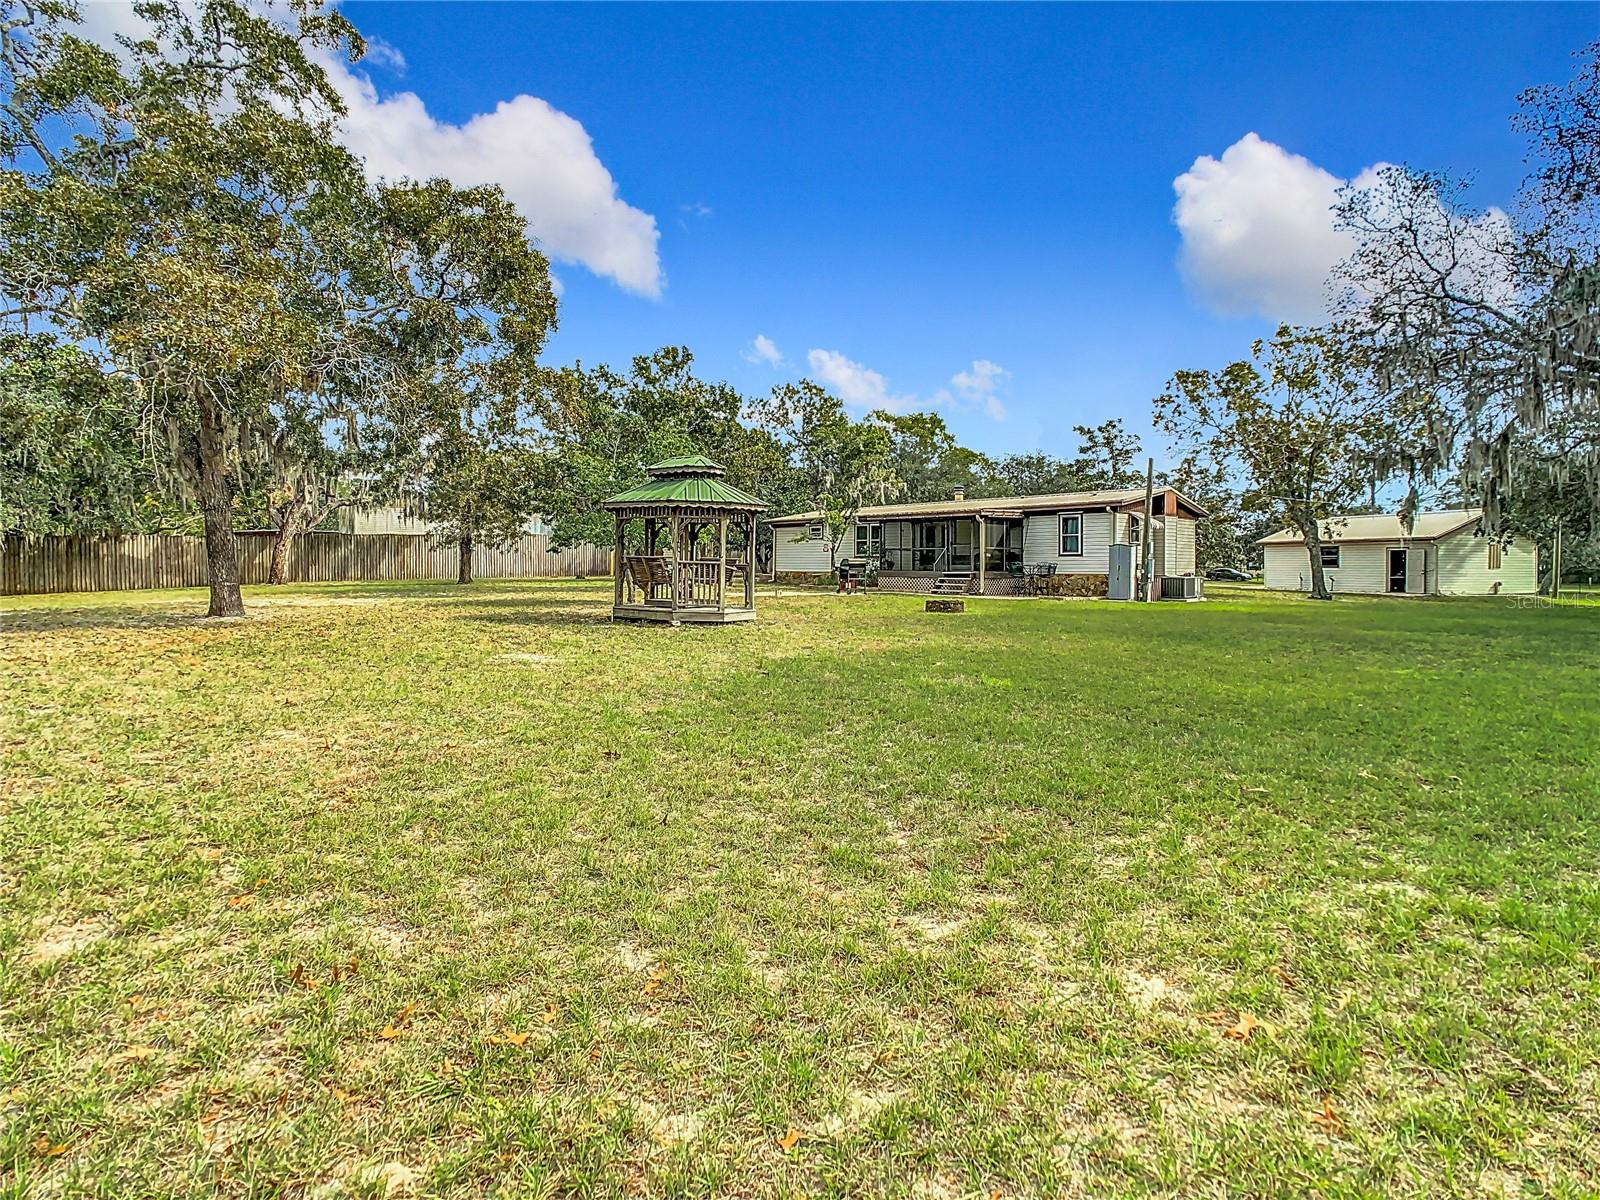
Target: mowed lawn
446,891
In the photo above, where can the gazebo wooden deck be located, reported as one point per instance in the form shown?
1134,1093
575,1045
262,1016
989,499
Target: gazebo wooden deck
695,577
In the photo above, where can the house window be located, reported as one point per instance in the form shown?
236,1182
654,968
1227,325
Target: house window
1071,534
869,539
814,531
1330,556
1494,556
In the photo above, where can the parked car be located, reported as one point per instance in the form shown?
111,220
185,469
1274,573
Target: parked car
1232,574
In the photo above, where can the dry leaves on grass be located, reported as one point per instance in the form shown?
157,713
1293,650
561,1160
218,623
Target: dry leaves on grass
44,1148
791,1139
1326,1119
397,1026
1240,1029
301,977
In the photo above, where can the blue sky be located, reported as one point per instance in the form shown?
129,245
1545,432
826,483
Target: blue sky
968,207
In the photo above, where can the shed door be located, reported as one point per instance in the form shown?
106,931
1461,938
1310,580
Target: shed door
1417,569
1397,569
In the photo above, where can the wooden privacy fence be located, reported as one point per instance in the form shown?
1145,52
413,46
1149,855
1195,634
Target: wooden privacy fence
101,564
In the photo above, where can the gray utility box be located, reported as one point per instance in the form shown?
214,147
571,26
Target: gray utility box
1119,574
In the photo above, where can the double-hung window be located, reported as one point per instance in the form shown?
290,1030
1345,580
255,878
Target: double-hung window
1071,534
869,539
1330,555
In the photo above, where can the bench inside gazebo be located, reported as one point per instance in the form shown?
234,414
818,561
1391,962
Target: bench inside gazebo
685,542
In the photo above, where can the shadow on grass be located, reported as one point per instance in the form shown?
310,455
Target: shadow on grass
171,608
534,612
15,623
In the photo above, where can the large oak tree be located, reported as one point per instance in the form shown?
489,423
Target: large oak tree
1298,419
181,208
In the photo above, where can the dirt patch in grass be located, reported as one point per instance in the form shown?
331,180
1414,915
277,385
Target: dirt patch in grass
63,939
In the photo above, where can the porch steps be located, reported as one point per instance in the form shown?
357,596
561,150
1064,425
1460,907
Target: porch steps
952,583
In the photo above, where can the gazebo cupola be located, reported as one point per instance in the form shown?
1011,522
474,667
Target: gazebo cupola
685,542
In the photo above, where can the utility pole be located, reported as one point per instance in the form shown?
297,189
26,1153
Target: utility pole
1146,534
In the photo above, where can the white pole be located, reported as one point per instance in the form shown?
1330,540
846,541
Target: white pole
1555,566
1147,535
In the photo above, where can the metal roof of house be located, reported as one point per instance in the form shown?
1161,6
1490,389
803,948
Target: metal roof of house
691,480
1382,527
999,505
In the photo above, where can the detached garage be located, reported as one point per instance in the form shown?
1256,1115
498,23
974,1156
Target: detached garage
1441,555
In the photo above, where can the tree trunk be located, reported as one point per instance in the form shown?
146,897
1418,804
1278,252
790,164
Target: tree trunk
288,526
1319,580
464,562
216,504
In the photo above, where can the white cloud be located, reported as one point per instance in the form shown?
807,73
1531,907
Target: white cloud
1259,237
764,350
980,385
543,158
380,53
855,384
696,209
862,387
1257,229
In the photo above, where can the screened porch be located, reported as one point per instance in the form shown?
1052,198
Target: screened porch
911,553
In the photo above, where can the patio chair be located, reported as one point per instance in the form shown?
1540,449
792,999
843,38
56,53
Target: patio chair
1034,577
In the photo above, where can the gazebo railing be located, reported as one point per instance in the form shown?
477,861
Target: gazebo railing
651,578
698,581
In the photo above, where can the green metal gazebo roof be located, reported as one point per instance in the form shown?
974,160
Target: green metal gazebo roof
690,481
685,464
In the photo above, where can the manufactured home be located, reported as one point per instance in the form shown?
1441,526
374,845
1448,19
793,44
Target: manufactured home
1441,554
1058,543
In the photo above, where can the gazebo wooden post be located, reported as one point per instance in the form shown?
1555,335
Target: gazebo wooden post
722,562
649,552
750,562
619,560
675,572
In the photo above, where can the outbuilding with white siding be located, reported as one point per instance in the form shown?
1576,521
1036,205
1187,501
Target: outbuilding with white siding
1439,554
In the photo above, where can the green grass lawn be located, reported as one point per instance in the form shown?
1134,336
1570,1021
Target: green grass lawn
452,891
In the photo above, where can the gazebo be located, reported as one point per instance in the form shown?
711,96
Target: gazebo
696,576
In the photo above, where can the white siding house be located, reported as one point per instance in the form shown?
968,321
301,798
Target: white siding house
996,542
803,548
1440,555
1469,565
